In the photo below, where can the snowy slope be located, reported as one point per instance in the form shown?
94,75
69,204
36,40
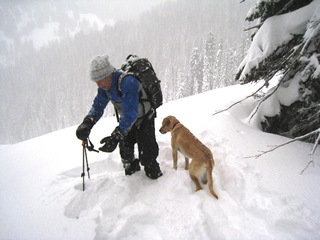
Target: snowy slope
264,198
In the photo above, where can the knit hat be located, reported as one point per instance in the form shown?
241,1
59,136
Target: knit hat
100,67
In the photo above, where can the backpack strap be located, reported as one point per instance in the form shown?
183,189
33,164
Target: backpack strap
121,77
141,91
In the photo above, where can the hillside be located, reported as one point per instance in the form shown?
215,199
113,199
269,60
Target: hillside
264,198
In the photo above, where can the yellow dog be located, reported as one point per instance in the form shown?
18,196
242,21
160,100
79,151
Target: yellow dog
184,141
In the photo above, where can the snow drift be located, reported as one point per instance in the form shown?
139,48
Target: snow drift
264,198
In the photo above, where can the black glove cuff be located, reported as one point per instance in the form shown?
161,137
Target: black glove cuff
118,135
89,121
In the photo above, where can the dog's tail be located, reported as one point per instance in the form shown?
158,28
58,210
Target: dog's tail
210,182
210,165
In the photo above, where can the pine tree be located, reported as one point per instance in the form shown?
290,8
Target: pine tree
182,85
299,57
208,63
165,85
219,66
195,71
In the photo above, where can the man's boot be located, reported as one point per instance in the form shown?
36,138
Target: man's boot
152,169
130,167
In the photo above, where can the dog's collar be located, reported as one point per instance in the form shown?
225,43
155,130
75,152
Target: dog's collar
175,125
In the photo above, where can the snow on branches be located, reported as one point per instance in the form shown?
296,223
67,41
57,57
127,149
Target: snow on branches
286,50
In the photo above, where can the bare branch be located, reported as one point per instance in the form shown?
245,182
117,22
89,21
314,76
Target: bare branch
293,140
316,143
311,161
312,153
226,109
256,26
274,148
264,99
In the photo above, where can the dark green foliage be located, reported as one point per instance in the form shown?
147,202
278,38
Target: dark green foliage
278,61
302,116
266,9
298,57
294,121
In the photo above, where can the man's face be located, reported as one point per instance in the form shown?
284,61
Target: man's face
105,83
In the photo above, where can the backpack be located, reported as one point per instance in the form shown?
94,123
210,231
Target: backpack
143,71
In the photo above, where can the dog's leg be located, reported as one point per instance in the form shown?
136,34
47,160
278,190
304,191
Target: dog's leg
196,182
174,155
194,172
186,165
205,177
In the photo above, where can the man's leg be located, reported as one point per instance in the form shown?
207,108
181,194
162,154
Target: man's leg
130,164
148,148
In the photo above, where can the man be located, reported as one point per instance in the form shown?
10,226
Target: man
136,118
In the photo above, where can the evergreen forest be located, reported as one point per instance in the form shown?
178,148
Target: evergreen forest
194,46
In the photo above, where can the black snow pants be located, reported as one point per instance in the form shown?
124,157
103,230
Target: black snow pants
144,136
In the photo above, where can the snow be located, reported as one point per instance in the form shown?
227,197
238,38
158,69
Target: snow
276,31
286,94
41,36
264,198
94,19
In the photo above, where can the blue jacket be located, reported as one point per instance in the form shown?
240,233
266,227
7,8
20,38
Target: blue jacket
128,104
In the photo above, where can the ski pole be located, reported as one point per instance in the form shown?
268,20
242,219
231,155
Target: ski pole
85,159
84,156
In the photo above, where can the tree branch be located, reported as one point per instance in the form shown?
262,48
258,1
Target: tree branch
256,26
317,142
264,99
226,109
283,79
285,8
312,152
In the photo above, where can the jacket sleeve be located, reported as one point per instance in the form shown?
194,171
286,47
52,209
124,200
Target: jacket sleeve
99,104
130,103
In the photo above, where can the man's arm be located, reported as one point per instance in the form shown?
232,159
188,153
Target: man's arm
99,104
130,103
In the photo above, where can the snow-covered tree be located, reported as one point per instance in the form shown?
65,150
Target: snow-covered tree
286,49
219,66
208,63
182,86
195,71
165,35
165,85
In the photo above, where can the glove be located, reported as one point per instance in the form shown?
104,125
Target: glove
111,142
84,128
118,135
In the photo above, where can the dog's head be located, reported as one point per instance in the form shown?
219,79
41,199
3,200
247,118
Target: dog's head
168,124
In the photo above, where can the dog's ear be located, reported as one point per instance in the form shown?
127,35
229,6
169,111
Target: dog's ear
167,122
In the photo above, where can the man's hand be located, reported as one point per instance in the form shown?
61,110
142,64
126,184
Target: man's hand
111,142
85,127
